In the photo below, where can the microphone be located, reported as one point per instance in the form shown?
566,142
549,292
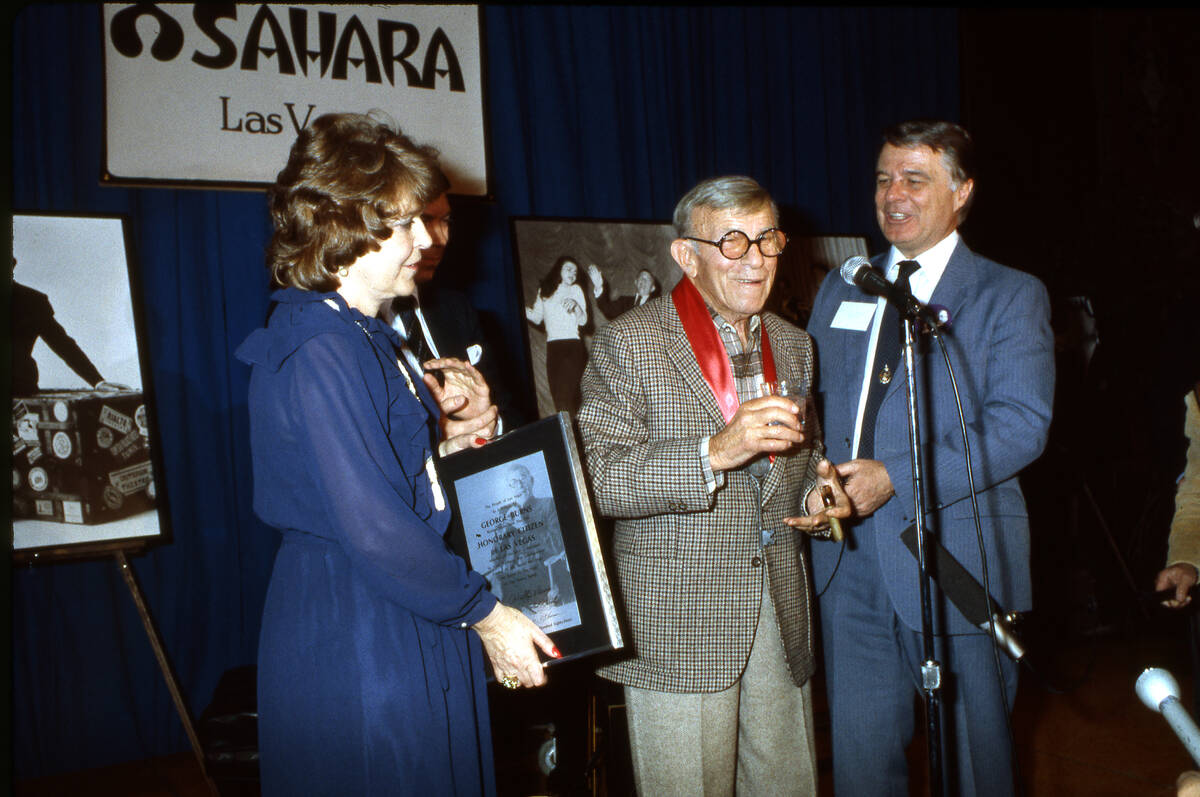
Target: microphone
1159,690
967,594
857,270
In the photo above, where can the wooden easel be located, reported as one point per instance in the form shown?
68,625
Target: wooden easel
119,550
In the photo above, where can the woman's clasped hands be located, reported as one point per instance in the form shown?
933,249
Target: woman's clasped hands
468,414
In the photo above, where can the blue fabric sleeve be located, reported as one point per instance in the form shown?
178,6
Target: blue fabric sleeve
371,486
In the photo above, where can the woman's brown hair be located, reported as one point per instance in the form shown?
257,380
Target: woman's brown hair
349,177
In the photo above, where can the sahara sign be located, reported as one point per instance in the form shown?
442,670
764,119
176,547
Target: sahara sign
216,92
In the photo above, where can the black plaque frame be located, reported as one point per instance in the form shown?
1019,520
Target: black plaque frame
598,629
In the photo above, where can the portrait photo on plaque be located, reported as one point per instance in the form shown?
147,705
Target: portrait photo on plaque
523,520
516,542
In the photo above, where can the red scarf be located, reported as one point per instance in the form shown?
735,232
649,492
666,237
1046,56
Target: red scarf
709,349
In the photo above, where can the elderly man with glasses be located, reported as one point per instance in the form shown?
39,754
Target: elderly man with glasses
704,466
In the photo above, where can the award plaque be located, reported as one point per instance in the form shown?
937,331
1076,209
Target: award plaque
522,518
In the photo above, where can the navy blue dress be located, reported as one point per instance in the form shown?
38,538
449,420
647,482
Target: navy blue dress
370,681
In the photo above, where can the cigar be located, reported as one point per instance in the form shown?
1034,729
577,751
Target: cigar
835,524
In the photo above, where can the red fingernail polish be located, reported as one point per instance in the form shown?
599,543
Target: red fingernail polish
480,440
556,653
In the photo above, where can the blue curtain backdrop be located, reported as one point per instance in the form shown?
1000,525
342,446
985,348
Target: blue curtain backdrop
593,112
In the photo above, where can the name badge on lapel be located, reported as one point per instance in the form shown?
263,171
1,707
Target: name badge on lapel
853,316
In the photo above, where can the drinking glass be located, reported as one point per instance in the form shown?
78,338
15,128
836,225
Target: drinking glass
795,394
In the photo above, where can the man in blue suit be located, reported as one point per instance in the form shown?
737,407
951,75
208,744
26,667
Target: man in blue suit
1002,350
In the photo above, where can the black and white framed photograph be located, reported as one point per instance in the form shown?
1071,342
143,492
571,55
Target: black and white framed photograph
576,276
523,519
82,470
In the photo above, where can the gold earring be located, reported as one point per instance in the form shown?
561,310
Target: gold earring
344,271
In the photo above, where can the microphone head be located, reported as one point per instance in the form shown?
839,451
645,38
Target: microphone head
1154,686
851,266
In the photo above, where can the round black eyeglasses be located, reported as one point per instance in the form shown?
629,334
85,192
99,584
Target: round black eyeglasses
735,243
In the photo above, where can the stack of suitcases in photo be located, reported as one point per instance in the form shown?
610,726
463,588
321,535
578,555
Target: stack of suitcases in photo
81,456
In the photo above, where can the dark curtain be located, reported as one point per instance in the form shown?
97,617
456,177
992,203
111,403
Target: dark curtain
592,112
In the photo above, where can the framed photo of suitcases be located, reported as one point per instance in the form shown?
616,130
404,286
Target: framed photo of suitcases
84,449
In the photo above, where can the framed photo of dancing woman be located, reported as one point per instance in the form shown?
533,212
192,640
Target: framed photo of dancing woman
576,276
523,519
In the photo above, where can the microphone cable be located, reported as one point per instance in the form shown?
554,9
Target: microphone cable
837,563
987,590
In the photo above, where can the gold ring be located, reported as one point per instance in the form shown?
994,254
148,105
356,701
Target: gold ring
510,682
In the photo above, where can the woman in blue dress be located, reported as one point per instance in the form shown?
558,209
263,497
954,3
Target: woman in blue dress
370,669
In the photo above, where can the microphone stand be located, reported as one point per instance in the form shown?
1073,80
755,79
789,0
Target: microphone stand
931,670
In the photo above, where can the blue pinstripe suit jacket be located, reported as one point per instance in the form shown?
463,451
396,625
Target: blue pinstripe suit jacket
1002,350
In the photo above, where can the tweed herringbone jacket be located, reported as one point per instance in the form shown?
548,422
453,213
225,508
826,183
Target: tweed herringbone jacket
689,563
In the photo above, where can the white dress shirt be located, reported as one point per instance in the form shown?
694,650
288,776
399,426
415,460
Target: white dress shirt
922,283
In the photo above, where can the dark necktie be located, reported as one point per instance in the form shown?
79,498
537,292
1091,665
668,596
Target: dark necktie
412,327
887,360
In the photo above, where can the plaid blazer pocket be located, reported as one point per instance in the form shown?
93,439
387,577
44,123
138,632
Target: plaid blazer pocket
649,538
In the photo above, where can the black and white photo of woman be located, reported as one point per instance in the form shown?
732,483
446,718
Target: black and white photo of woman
561,306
